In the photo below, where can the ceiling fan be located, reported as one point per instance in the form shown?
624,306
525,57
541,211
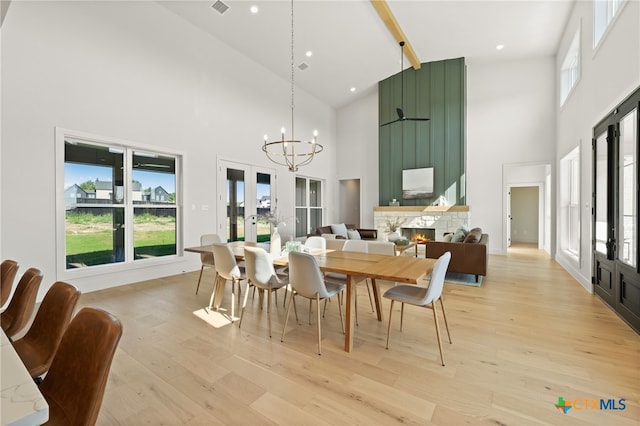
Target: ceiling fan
401,115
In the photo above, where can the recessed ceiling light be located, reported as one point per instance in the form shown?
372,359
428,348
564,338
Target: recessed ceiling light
254,9
500,47
353,89
309,53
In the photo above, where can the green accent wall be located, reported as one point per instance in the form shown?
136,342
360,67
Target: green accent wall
436,91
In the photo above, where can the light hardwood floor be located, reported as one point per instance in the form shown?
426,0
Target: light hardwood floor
528,335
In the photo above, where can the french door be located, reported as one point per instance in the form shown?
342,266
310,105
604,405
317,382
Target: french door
616,146
245,194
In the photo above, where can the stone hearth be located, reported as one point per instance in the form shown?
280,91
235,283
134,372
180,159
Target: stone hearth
440,218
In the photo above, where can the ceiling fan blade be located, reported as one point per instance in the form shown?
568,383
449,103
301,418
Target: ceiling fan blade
417,119
400,114
390,122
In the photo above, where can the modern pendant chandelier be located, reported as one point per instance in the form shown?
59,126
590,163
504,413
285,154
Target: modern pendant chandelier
291,153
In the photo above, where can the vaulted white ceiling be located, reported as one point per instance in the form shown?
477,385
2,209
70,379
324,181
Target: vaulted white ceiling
352,47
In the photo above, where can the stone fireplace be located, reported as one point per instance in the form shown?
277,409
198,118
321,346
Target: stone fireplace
436,219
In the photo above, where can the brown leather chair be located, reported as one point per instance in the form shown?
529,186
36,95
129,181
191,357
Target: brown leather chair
37,348
8,271
75,384
22,304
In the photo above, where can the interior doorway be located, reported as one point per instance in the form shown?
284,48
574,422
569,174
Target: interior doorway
524,215
527,201
349,201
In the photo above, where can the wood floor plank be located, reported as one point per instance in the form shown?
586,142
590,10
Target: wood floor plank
528,335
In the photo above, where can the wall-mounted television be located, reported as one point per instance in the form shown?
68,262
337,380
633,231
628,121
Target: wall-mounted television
417,183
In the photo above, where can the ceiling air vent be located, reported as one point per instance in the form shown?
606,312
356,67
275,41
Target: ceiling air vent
219,7
303,66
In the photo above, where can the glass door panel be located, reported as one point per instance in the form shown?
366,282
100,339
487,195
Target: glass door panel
263,206
601,221
235,202
245,195
628,172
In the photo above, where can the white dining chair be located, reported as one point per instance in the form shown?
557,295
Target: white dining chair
206,259
306,280
228,270
315,243
262,275
423,296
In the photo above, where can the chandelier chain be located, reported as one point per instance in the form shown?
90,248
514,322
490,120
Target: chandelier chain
292,74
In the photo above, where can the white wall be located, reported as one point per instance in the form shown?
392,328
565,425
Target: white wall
133,71
608,75
357,151
510,120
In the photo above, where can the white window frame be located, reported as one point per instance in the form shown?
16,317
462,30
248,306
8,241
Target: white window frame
605,12
570,68
570,187
62,273
307,205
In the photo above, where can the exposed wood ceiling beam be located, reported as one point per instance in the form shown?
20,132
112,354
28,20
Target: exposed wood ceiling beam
389,20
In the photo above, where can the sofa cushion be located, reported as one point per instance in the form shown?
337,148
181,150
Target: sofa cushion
353,234
339,229
473,236
458,236
323,230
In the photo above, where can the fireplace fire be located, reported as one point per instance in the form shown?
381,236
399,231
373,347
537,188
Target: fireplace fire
420,238
419,235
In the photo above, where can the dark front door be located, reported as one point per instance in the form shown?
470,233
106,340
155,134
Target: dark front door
616,146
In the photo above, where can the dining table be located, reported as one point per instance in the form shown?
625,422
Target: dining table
22,403
399,269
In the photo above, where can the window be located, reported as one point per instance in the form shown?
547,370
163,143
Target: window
308,205
119,204
570,199
570,70
603,13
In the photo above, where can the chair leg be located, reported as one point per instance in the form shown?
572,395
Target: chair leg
286,318
370,299
340,295
213,292
355,294
233,297
268,293
435,321
244,304
319,325
310,310
444,314
199,278
389,325
401,315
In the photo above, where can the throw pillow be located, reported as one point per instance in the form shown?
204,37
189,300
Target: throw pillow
447,238
339,229
353,234
473,236
458,236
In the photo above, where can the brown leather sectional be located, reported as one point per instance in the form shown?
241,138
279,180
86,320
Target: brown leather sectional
365,234
466,257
